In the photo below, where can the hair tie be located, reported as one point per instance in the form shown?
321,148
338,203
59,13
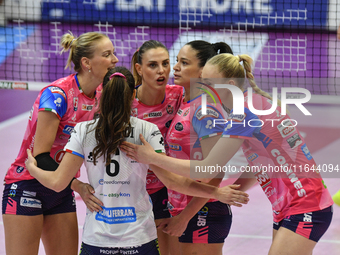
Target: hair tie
117,74
240,58
72,42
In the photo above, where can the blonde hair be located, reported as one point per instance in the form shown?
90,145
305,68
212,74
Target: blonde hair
83,46
229,66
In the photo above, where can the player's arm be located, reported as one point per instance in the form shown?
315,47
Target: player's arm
229,194
220,154
59,179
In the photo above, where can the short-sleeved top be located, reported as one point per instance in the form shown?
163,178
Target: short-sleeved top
187,129
161,115
127,218
66,100
274,140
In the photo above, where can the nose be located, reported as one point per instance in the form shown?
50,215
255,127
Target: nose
114,59
176,67
161,69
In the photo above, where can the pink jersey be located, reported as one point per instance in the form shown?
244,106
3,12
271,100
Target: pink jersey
183,139
64,98
161,115
274,141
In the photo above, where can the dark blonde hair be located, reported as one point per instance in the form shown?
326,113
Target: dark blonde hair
83,46
229,66
138,56
115,110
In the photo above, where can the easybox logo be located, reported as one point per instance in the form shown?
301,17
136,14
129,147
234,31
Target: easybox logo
238,99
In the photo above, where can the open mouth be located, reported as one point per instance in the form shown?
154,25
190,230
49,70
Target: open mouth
161,79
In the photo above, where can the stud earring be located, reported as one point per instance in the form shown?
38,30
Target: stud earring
89,70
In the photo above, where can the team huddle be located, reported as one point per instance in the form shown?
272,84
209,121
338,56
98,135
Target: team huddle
138,138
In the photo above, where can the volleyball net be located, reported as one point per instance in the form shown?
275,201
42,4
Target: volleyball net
293,43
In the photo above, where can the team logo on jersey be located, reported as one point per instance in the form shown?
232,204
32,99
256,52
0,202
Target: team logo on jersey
286,128
175,147
169,109
179,112
209,124
263,179
237,117
179,126
168,123
134,112
59,156
161,141
58,102
20,169
58,91
294,141
306,151
211,113
269,191
14,186
155,133
117,215
186,112
152,115
68,129
252,157
75,104
30,202
86,107
29,193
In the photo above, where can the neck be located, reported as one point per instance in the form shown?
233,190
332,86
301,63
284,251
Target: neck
87,84
150,96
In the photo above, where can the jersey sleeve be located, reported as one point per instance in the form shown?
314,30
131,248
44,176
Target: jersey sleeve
156,139
53,99
74,144
243,126
209,124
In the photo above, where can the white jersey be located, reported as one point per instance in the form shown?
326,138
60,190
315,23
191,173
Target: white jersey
127,218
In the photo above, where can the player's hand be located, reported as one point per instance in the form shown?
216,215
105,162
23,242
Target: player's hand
86,192
174,226
230,195
140,153
31,161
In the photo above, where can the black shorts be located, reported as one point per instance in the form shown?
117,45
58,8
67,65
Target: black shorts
160,204
150,248
29,198
210,225
311,225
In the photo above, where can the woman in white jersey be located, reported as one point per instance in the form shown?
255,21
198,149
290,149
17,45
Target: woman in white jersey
27,204
126,224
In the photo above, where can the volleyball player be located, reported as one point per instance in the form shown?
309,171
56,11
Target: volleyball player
126,224
302,205
201,224
28,205
156,102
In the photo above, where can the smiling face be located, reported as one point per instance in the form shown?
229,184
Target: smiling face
103,59
187,66
155,68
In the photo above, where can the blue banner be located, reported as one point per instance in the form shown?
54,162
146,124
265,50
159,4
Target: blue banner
309,14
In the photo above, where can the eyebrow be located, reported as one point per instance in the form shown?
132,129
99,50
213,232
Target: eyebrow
154,61
184,59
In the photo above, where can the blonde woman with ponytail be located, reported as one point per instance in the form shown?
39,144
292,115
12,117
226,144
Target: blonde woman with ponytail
27,205
302,205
